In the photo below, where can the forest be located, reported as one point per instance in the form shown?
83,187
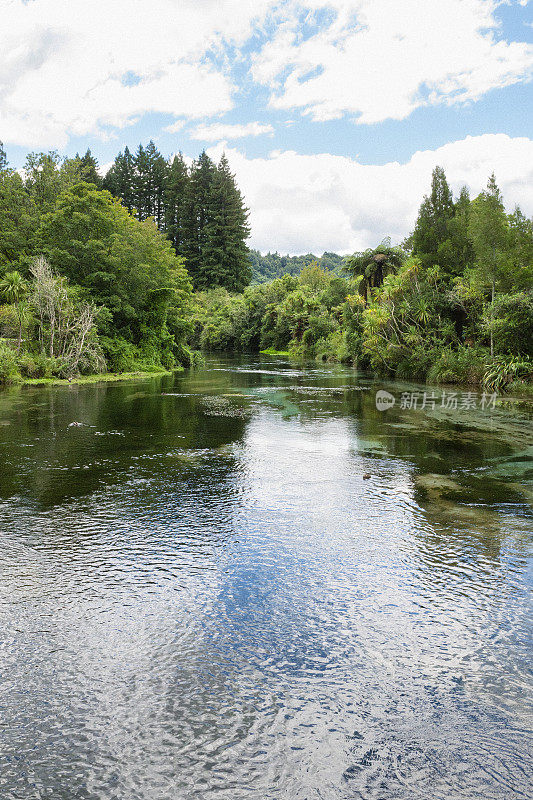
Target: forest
140,268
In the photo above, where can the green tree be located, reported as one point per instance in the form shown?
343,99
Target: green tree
489,231
3,157
225,259
371,266
18,220
14,289
45,178
89,169
197,214
520,272
457,252
441,231
431,229
174,203
126,265
119,179
150,182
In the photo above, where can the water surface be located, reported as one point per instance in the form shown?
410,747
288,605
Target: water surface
201,596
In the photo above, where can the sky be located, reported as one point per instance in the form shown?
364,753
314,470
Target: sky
332,114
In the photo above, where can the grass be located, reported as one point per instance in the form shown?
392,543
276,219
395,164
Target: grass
105,377
271,352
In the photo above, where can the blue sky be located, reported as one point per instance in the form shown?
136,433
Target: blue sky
332,113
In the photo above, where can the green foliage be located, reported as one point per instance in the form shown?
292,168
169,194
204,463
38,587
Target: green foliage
224,258
272,265
175,192
511,318
120,180
199,209
127,266
504,371
116,291
13,287
9,372
463,365
18,219
488,229
302,316
38,366
407,323
371,267
440,236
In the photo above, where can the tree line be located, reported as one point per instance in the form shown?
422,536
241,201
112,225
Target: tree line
453,303
150,260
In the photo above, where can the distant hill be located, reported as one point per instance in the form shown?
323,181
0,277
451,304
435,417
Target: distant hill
273,265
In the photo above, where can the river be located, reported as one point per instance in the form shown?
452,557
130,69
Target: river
204,595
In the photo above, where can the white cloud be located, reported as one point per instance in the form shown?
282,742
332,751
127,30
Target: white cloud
76,68
68,67
302,203
175,127
218,131
382,59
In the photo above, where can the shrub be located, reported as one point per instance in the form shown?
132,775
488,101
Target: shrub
463,365
504,371
120,355
513,324
8,366
37,366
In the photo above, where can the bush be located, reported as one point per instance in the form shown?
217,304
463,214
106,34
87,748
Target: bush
513,324
463,365
504,371
8,366
37,366
120,355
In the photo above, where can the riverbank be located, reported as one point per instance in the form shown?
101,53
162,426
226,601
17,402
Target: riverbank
105,377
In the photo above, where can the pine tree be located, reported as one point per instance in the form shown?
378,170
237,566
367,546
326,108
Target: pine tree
149,182
226,261
197,211
160,173
461,253
431,229
89,169
120,179
3,157
201,211
174,202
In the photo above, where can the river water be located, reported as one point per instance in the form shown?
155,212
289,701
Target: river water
201,596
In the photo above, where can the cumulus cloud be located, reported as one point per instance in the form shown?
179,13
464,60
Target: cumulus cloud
218,131
382,59
175,127
72,68
68,67
303,203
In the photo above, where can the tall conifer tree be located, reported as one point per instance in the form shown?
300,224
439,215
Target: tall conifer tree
89,169
174,202
226,257
150,180
120,179
196,218
431,229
